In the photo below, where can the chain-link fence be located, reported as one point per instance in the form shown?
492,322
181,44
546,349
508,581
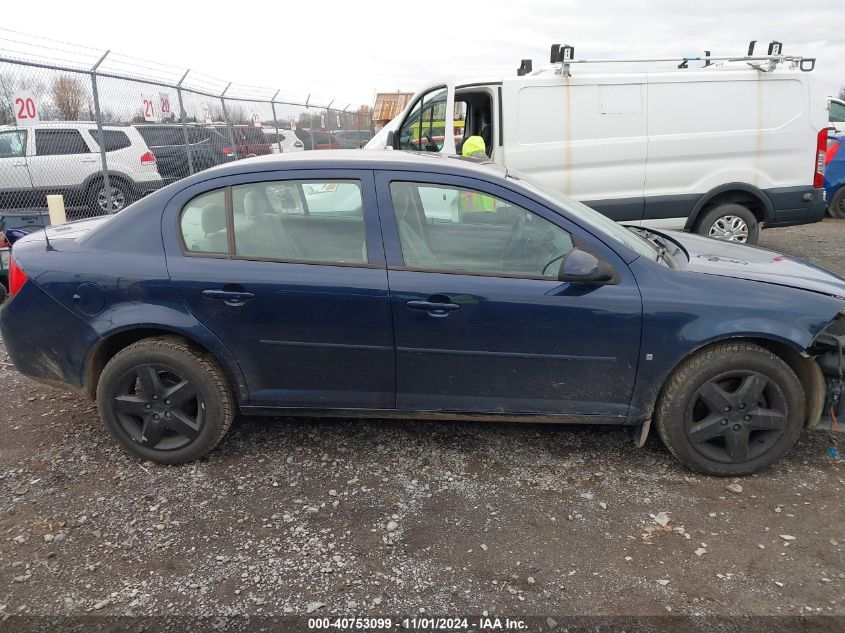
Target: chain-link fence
103,129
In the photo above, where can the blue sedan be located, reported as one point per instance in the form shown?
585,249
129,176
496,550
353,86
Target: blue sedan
383,284
834,177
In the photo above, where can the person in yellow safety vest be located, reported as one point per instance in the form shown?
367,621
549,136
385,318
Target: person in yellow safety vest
471,201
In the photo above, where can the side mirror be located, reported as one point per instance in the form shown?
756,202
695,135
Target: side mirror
582,267
391,140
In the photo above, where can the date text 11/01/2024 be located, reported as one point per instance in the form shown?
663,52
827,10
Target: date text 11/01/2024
483,623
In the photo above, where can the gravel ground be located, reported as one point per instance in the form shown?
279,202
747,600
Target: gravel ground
290,516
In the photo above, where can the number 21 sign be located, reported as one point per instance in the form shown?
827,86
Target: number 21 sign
149,109
26,109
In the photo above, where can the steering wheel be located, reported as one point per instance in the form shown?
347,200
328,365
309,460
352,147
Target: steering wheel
430,145
515,248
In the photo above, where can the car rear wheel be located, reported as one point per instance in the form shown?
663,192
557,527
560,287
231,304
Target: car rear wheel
836,206
164,401
730,222
731,409
121,195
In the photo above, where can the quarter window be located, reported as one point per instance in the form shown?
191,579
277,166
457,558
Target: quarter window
452,229
53,142
13,144
114,139
203,224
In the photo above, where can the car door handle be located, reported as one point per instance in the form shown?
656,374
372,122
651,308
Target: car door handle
434,308
229,297
89,160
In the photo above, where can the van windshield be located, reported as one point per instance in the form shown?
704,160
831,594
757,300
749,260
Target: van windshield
591,217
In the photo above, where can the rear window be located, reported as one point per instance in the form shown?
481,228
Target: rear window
114,139
158,136
253,135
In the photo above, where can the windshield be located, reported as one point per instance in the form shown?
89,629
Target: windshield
590,217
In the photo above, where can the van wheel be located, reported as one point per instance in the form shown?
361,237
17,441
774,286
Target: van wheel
164,401
731,409
730,222
836,206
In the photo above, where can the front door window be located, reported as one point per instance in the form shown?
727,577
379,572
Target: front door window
424,128
456,229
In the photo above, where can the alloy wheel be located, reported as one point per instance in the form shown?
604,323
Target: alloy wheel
736,417
118,200
158,408
730,228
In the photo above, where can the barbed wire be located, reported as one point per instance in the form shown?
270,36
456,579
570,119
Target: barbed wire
28,48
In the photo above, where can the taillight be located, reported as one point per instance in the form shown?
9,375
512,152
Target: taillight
832,148
17,277
147,158
227,151
821,150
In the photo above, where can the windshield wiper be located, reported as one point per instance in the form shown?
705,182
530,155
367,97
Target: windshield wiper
657,242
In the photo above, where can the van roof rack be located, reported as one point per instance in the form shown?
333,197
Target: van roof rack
563,55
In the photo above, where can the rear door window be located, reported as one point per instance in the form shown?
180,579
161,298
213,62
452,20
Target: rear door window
300,220
54,142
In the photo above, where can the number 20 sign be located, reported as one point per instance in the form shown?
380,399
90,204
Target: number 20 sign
26,108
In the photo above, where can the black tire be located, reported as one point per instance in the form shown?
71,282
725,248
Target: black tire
710,441
721,218
836,206
186,427
121,196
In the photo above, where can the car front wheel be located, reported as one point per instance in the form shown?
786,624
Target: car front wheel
731,409
164,401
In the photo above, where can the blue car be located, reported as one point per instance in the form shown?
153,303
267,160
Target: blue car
385,284
834,177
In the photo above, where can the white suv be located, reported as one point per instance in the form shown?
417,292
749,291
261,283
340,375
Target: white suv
63,157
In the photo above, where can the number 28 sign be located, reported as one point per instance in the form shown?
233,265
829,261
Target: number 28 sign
26,108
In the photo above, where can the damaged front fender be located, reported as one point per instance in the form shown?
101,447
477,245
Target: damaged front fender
828,349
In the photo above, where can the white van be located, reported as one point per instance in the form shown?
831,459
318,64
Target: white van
723,149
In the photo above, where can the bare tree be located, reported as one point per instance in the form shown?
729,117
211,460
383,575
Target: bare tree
69,97
842,93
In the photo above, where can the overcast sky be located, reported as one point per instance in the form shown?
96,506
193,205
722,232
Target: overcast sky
349,50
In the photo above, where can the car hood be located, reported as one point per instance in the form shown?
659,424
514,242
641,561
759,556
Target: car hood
729,259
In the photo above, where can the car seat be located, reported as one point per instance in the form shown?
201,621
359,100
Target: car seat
213,222
415,249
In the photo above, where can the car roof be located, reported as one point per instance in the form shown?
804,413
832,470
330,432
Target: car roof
358,159
82,125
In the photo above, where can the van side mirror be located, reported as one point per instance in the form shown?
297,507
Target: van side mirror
391,140
585,268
